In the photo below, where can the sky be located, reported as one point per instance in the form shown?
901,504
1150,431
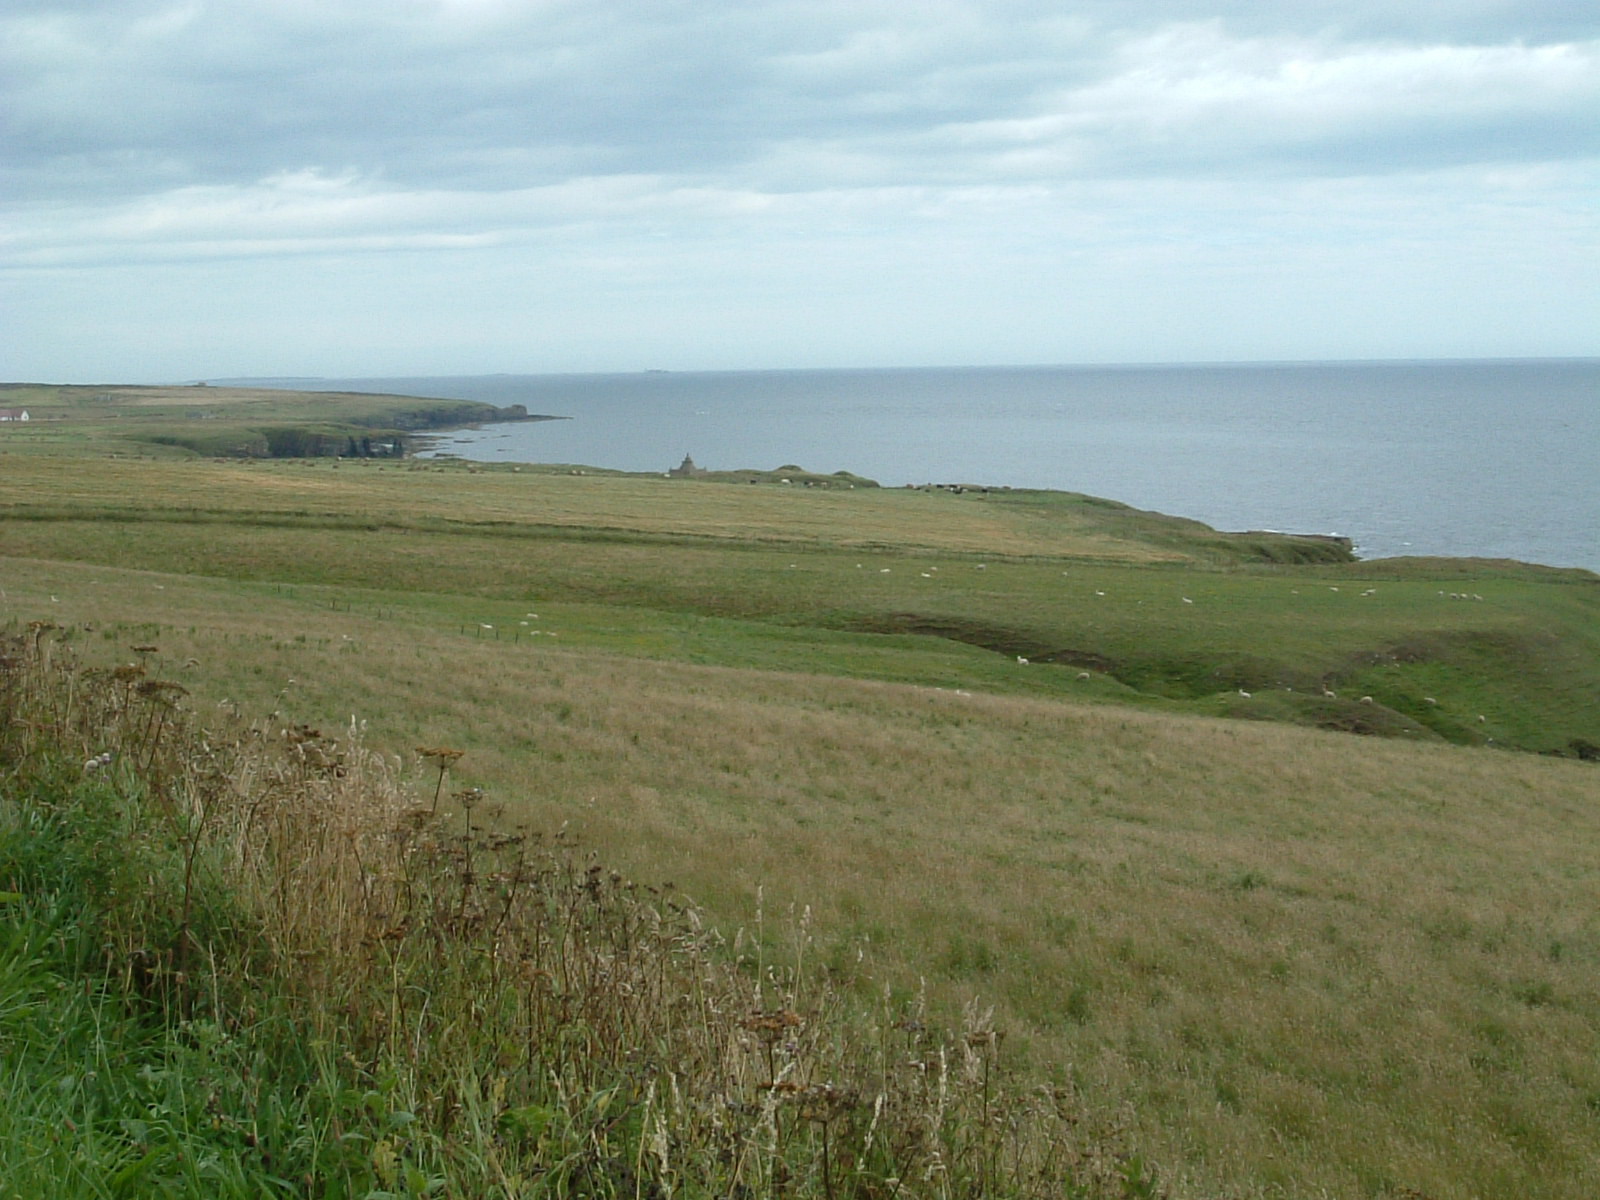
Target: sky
198,189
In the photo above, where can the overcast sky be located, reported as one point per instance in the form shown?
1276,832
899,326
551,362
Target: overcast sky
374,187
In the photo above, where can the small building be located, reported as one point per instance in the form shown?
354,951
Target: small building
687,470
13,414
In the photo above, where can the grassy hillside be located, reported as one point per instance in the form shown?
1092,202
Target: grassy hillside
227,422
1290,960
1103,601
238,960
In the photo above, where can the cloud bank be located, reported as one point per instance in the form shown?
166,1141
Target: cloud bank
785,183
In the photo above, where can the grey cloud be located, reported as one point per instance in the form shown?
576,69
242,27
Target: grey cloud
1474,21
124,99
1192,99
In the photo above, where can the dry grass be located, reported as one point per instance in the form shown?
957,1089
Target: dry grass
1526,659
392,495
1302,962
508,1016
1328,965
652,558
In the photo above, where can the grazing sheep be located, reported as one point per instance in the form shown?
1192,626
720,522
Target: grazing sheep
1367,700
1329,694
1244,693
1083,675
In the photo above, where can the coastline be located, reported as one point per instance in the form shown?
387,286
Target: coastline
1381,513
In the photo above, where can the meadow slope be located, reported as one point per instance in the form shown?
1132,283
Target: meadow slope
1294,961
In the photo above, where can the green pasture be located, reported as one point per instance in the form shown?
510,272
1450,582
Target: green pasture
183,421
935,588
1293,961
1298,960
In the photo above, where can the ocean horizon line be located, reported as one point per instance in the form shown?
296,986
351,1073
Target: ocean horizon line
1153,365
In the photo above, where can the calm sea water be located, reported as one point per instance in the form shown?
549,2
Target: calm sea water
1491,458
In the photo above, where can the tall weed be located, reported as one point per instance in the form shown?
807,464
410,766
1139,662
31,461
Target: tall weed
344,992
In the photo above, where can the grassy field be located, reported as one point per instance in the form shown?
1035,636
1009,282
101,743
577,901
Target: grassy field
185,420
242,960
1293,961
925,587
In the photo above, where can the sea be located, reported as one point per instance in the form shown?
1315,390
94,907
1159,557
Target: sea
1483,458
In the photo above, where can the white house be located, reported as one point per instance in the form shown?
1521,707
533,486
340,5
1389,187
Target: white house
13,414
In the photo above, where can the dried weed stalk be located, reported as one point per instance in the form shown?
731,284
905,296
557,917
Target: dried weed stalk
552,1026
